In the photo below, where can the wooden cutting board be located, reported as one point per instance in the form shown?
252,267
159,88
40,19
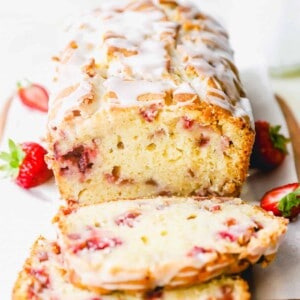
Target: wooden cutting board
3,116
294,131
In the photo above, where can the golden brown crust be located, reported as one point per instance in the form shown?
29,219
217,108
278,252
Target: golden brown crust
25,279
244,290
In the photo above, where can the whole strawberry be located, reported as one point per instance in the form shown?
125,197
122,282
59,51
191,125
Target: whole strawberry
283,200
33,95
25,163
270,147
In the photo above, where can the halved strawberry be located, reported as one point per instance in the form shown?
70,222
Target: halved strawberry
283,200
270,146
33,95
25,163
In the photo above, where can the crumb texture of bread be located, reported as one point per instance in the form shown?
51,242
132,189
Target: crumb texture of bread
165,241
147,101
43,277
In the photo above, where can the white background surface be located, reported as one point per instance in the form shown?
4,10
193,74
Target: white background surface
29,38
262,32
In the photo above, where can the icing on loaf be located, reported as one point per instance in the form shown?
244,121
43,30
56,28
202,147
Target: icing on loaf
137,48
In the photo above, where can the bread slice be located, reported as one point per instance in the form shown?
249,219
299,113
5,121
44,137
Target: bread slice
165,241
145,90
43,277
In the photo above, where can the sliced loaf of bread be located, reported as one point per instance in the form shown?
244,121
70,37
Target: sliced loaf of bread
164,241
43,277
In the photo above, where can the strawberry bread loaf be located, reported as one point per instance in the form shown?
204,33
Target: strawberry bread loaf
142,244
147,101
43,277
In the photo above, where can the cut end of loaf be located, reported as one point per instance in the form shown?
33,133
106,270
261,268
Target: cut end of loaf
121,154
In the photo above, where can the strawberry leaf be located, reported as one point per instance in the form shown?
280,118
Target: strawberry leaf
288,202
279,141
8,171
5,156
23,83
13,159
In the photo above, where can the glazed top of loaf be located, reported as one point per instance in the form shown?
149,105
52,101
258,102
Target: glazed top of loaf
136,52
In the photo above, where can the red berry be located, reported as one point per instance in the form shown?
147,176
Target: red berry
187,123
227,236
26,164
127,219
198,250
283,200
150,113
269,150
34,96
96,243
41,276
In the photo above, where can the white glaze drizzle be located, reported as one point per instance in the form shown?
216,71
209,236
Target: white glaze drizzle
184,88
128,91
148,33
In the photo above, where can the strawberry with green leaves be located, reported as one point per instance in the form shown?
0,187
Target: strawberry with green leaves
283,200
270,147
25,163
